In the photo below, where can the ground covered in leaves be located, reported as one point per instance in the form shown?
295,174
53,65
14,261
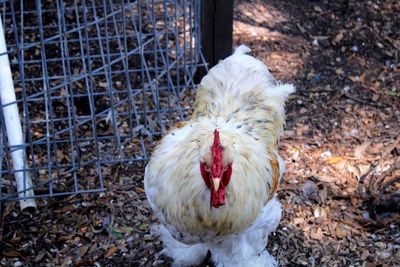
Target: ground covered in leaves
340,140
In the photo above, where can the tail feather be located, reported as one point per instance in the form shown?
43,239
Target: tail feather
242,49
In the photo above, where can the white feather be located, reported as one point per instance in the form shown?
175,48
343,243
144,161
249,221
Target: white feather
183,255
242,49
246,249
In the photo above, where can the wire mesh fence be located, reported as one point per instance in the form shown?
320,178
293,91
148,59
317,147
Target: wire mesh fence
96,82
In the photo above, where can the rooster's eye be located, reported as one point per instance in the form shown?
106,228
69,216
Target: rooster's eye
207,168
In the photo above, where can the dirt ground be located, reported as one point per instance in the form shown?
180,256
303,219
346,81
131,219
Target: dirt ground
343,121
343,57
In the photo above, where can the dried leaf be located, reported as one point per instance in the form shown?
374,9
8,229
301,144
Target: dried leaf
139,189
66,262
317,212
323,194
65,209
375,97
338,37
83,229
365,254
124,229
318,9
11,253
40,255
298,221
324,213
92,249
103,84
360,149
339,71
354,201
317,235
332,227
83,250
340,231
333,160
111,251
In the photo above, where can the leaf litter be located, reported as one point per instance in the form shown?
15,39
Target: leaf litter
343,57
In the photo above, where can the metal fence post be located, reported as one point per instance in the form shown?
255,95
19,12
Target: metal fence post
13,127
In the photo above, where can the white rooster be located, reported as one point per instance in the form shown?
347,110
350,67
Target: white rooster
212,181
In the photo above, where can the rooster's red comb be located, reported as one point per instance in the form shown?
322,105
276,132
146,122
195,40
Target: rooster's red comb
216,152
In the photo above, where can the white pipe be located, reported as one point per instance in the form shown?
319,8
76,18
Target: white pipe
13,127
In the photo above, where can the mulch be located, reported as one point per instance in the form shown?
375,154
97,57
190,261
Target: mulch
340,138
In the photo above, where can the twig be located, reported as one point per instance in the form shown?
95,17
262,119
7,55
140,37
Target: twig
365,102
364,176
326,12
378,180
382,178
390,148
376,186
386,153
390,182
379,162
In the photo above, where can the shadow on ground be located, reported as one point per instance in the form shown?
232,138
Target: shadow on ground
343,58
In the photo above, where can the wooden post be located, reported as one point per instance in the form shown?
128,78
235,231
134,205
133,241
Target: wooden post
216,31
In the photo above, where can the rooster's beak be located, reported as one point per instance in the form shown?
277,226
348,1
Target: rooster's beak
216,182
